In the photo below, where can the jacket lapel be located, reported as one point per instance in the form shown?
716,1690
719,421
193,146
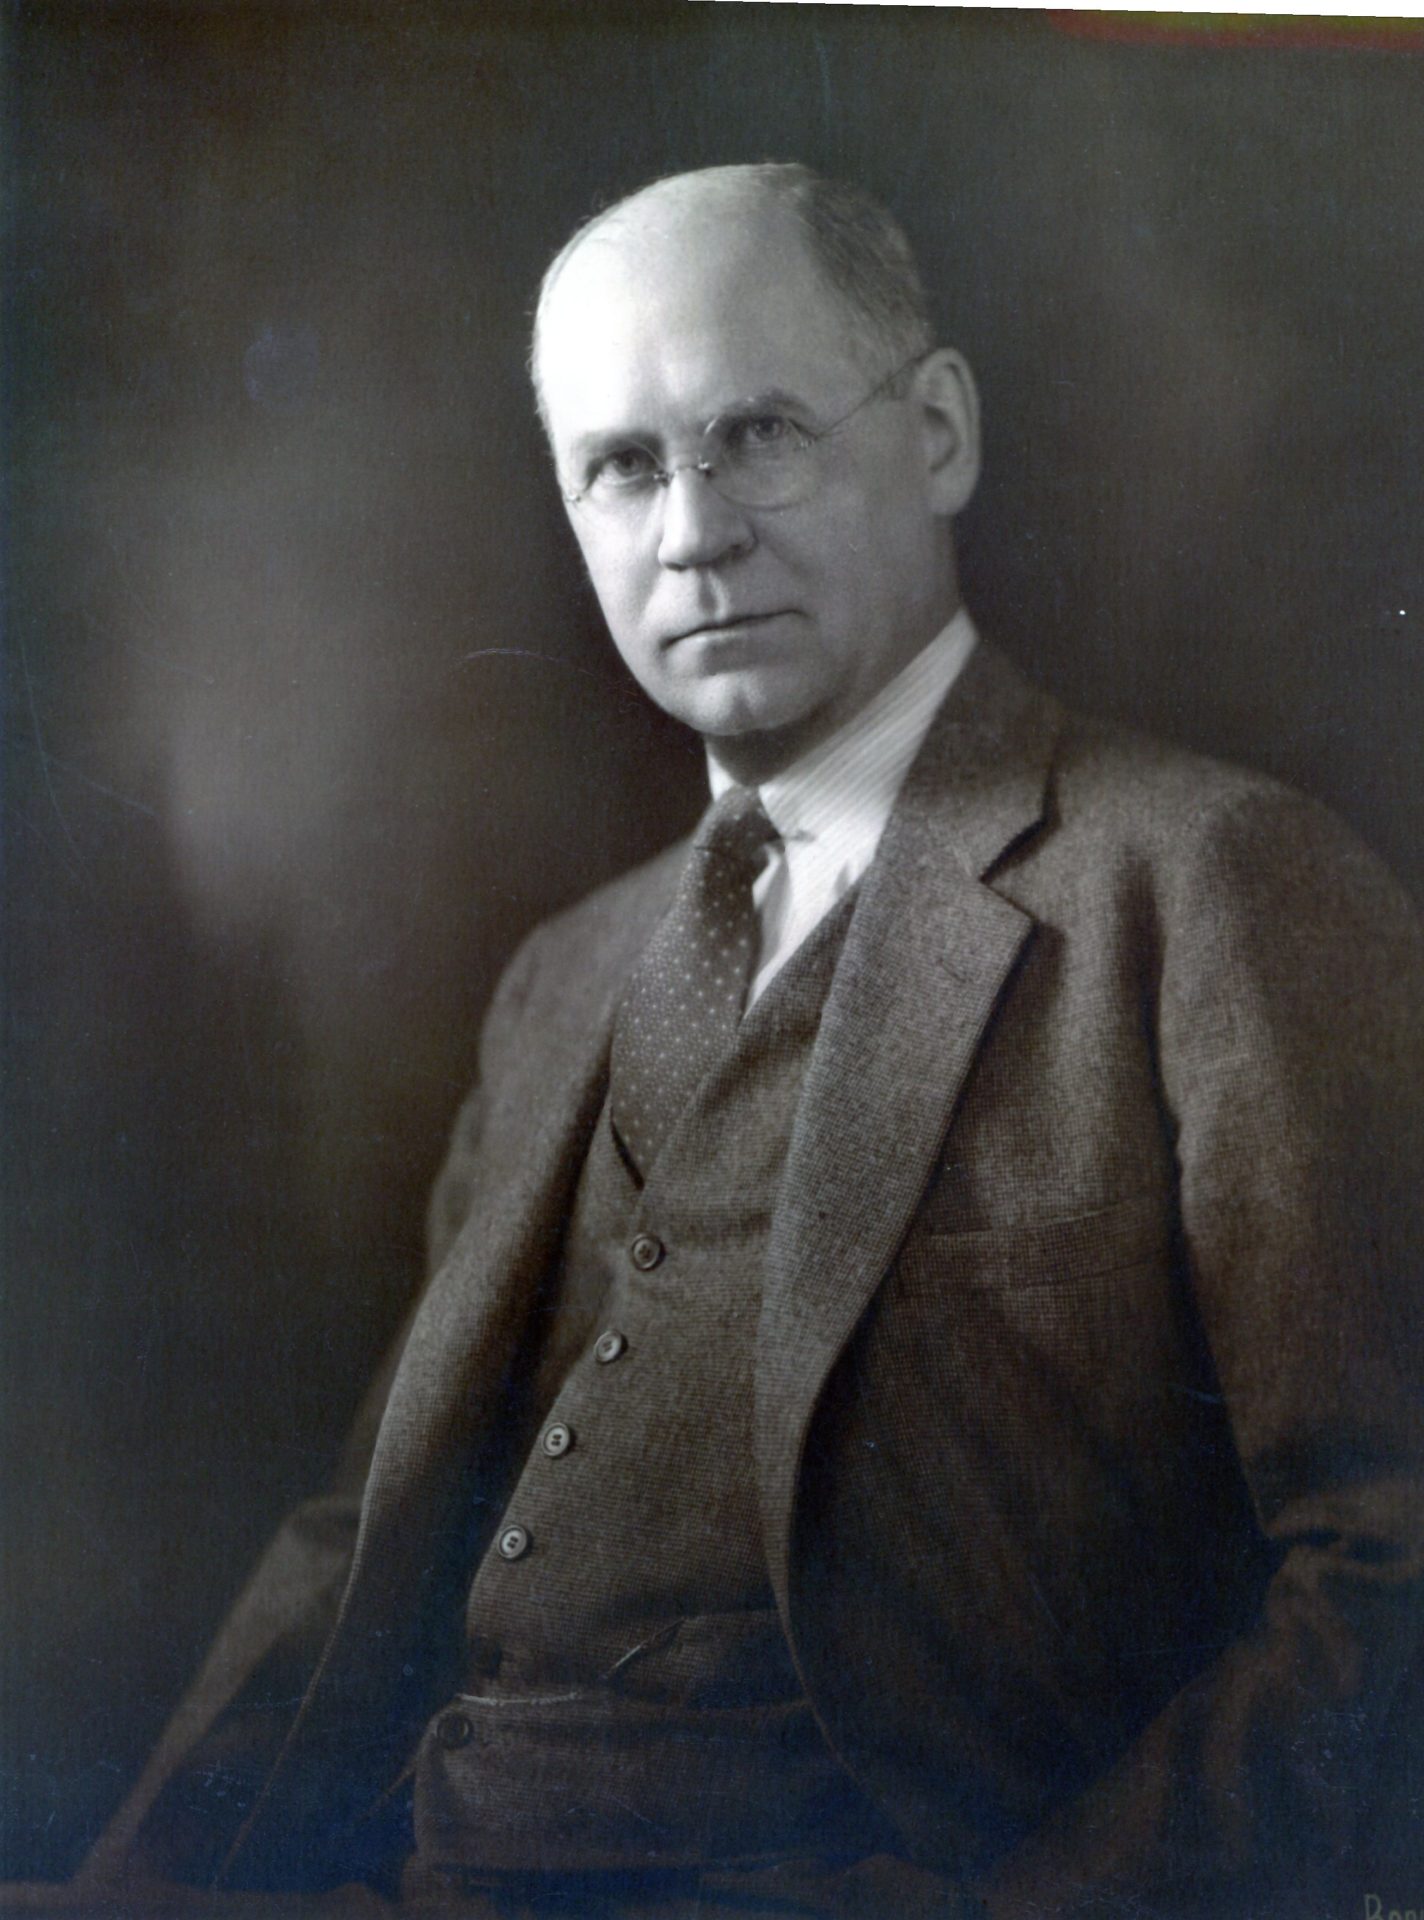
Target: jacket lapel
927,955
446,1394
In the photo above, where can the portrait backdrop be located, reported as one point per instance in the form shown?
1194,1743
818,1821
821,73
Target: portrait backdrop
309,712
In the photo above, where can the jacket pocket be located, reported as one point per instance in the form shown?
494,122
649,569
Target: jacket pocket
1038,1253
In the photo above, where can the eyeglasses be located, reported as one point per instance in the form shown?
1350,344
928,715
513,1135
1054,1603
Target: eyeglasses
754,456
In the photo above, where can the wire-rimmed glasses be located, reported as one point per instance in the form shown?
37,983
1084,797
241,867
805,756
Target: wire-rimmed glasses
754,454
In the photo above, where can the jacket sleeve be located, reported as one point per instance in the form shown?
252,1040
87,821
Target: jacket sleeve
1290,1034
217,1750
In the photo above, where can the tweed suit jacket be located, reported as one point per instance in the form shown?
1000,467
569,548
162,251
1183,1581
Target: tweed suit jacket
1090,1448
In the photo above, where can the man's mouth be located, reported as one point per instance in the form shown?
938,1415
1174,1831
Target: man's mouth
727,623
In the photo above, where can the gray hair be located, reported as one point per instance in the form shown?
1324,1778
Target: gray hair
859,247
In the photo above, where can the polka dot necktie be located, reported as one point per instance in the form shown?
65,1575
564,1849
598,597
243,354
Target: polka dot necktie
680,1011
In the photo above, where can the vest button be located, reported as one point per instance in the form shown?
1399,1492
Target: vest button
608,1346
454,1730
646,1251
558,1439
513,1543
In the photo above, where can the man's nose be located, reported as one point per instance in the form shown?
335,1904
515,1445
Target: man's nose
700,526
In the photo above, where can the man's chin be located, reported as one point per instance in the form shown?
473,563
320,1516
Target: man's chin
730,713
726,702
754,744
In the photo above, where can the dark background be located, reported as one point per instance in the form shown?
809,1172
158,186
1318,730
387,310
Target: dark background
308,715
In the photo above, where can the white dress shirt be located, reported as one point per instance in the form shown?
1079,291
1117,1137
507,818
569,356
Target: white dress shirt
830,807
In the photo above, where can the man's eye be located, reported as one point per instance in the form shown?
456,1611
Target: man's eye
625,467
760,433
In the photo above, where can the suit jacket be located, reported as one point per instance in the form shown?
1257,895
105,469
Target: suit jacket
1089,1432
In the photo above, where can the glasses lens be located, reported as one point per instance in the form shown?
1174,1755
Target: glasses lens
623,483
760,459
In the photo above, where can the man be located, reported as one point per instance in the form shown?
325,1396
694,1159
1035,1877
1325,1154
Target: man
917,1407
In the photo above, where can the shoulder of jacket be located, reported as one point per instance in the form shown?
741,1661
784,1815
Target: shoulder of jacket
1194,840
594,939
1154,793
633,899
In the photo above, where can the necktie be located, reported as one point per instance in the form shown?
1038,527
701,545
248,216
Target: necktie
680,1010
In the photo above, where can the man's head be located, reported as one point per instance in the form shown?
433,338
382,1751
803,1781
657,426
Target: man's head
766,601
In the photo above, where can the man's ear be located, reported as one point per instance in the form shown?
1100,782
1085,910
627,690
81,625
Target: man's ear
948,401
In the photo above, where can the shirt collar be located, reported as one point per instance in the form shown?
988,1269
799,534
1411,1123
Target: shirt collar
848,783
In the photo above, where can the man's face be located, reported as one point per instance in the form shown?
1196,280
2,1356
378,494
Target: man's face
763,628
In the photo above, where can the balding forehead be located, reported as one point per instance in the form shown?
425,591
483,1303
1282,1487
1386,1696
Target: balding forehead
710,234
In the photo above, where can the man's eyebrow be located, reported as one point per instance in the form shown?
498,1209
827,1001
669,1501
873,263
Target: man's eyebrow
587,446
769,400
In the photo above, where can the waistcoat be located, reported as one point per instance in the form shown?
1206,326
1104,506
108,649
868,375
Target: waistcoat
629,1700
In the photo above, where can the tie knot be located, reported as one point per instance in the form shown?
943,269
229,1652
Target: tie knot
735,827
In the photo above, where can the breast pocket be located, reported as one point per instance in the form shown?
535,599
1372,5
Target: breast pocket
1044,1337
1033,1376
1059,1252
